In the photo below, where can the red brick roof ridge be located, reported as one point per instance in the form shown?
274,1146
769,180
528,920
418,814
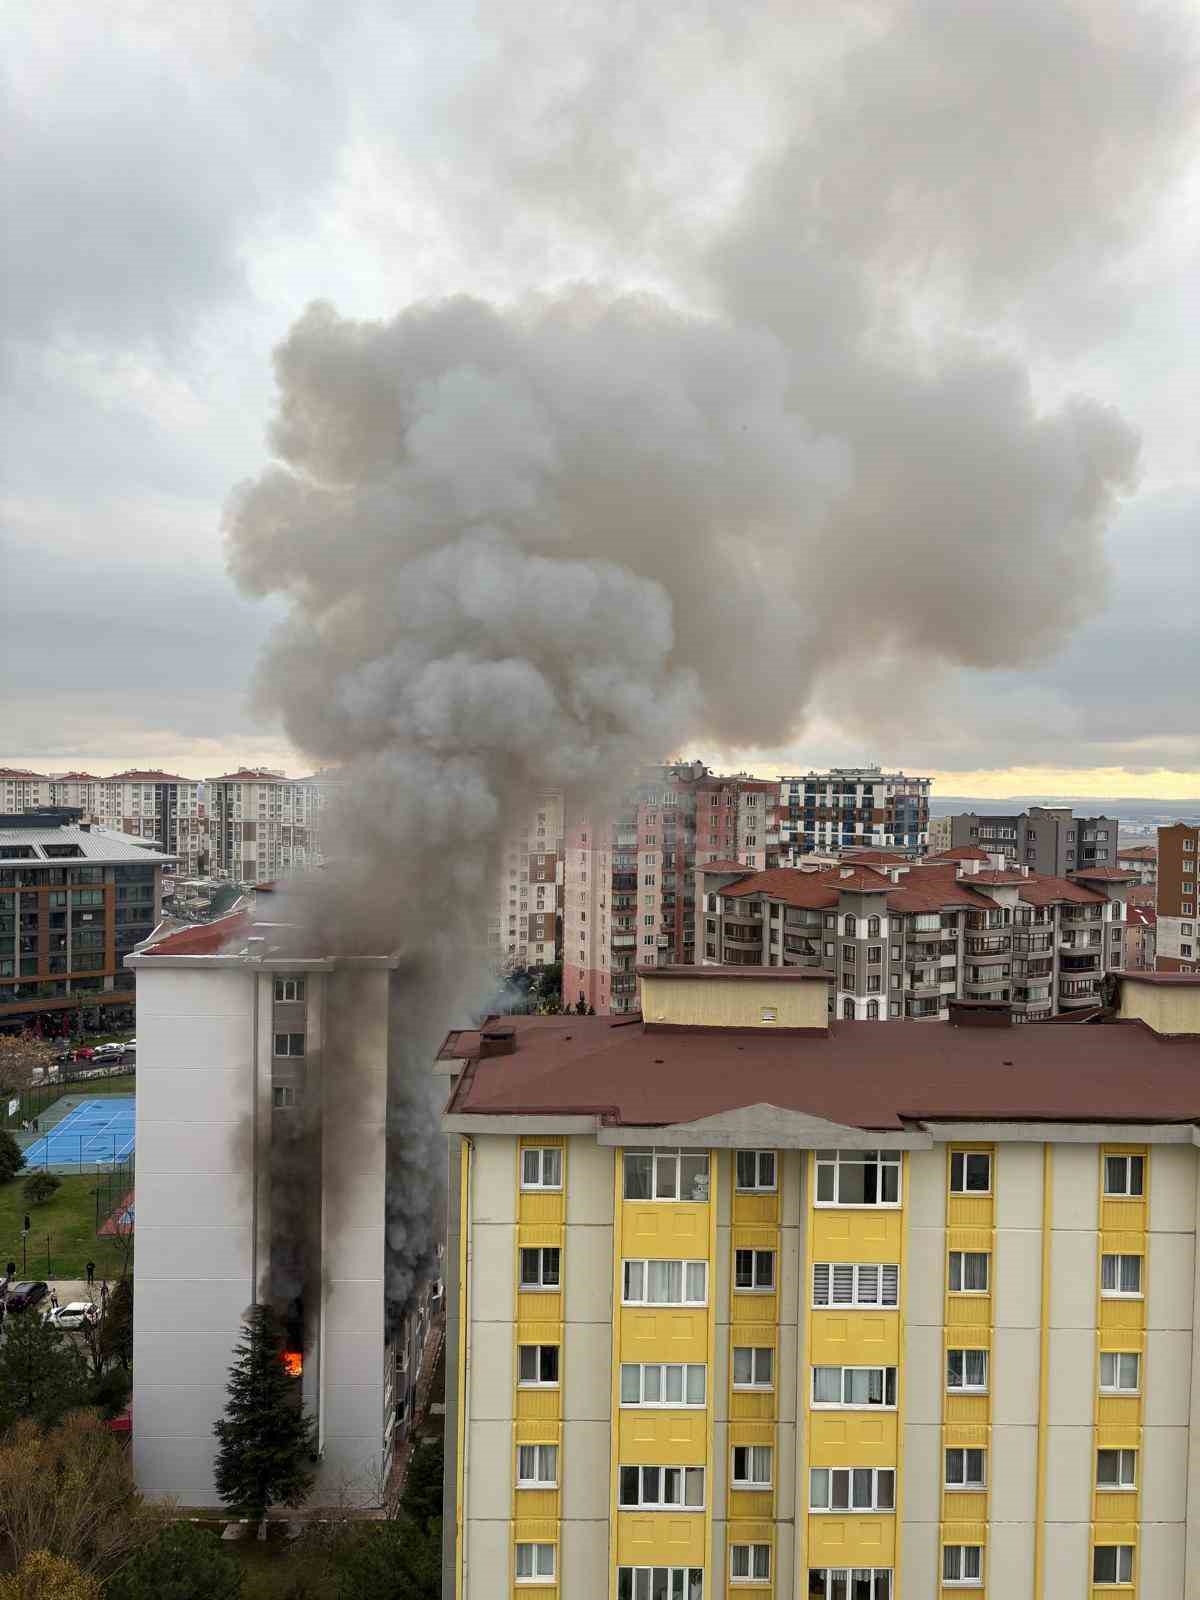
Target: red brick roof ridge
205,939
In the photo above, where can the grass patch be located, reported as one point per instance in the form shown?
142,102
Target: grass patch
70,1221
93,1088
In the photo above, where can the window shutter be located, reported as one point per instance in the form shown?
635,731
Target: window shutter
891,1284
820,1283
868,1285
843,1285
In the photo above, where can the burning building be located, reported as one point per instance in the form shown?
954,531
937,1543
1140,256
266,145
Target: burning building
263,1174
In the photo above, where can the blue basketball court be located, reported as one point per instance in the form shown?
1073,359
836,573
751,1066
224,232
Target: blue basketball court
96,1132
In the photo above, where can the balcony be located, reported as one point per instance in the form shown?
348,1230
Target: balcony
919,1009
624,941
743,935
1082,913
1031,994
1088,961
750,914
924,982
991,944
984,920
1031,943
624,881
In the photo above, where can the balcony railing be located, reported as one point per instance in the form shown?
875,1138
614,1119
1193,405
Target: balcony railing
991,944
1029,943
743,935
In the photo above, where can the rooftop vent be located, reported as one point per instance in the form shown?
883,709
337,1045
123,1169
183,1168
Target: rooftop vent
497,1042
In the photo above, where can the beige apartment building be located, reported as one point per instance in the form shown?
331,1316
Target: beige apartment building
263,824
524,927
744,1302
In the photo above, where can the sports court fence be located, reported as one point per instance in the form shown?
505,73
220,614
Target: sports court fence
27,1104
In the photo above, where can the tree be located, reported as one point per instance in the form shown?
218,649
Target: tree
12,1158
114,1335
397,1560
70,1491
42,1373
40,1187
181,1562
265,1438
422,1497
20,1053
42,1576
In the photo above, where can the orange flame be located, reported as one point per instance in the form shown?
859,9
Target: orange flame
293,1363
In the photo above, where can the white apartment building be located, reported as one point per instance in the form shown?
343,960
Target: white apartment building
20,789
263,824
254,1057
854,806
523,925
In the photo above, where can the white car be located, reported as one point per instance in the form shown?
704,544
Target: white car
78,1314
109,1050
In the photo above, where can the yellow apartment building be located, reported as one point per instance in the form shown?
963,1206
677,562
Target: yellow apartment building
744,1303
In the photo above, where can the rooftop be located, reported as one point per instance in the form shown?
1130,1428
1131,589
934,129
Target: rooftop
960,852
51,846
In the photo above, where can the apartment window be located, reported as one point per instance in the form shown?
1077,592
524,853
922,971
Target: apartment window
962,1564
965,1469
1112,1563
662,1488
541,1268
666,1175
1124,1175
289,1044
849,1583
541,1168
969,1271
828,948
754,1270
755,1171
283,1096
849,952
851,929
1120,1277
1120,1371
967,1370
874,954
752,1466
537,1366
753,1366
660,1583
750,1563
840,1283
854,1386
858,1178
537,1466
1116,1469
535,1563
648,880
665,1283
289,988
873,927
872,1010
970,1172
852,1489
663,1384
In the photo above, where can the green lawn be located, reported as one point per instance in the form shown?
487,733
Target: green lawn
89,1087
70,1221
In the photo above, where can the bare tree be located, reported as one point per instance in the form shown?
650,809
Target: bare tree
20,1054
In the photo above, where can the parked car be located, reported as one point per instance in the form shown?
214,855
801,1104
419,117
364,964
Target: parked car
79,1314
112,1052
84,1053
23,1295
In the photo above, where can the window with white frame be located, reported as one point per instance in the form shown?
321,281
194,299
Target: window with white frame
661,1488
660,1583
966,1469
537,1366
537,1466
289,988
1112,1563
665,1283
1125,1176
755,1171
1120,1277
754,1271
666,1175
970,1172
858,1178
968,1271
753,1366
849,1583
289,1044
749,1563
283,1096
752,1465
670,1383
541,1168
853,1387
962,1564
1120,1371
852,1489
1116,1469
535,1563
541,1268
967,1370
866,1283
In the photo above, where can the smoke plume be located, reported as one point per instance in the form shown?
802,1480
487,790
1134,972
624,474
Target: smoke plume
527,544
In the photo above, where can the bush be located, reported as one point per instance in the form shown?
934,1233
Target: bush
42,1576
182,1562
12,1158
40,1187
390,1561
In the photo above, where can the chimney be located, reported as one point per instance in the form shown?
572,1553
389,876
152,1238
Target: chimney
497,1042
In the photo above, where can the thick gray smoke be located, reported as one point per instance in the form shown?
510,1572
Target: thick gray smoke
527,544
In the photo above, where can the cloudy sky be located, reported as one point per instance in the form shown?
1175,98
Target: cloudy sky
1017,184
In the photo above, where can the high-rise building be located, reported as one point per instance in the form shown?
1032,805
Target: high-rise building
147,804
1140,859
524,927
263,1176
263,824
848,806
1177,945
74,900
744,1301
903,940
1048,839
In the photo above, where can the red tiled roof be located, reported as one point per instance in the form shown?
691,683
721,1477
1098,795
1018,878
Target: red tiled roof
1142,894
859,1074
997,875
723,866
249,775
929,888
887,858
1109,874
21,772
857,880
795,888
1138,852
88,777
209,939
1143,916
1040,889
960,852
150,775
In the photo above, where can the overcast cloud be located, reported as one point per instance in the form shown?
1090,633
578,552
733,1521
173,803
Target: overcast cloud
181,184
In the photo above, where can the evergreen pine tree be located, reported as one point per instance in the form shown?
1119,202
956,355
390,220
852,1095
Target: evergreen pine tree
12,1157
42,1373
265,1438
